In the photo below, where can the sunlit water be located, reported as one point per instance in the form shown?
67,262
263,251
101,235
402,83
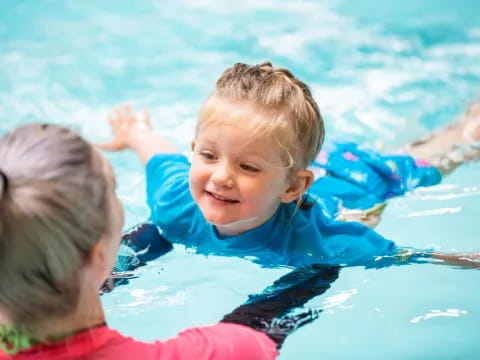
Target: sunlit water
382,72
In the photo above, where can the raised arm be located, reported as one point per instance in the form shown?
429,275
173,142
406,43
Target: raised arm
135,133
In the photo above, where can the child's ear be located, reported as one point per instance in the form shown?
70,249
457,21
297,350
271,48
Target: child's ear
192,145
299,183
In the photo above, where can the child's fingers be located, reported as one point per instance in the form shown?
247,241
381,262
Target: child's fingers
117,121
146,117
129,114
114,116
127,108
118,118
123,119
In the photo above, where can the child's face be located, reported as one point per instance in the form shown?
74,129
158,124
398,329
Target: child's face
238,182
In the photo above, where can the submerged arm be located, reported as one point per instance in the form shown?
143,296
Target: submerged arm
139,245
406,256
268,312
466,261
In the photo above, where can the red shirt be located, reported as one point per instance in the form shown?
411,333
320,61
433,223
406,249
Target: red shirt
222,341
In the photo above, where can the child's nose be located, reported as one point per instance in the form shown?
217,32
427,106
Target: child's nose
223,175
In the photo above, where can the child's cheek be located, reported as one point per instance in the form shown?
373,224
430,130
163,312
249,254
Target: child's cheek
194,183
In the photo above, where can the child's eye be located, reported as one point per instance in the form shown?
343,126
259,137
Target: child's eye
249,168
207,155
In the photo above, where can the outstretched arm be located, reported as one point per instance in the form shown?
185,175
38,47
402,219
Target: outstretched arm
465,261
406,256
135,132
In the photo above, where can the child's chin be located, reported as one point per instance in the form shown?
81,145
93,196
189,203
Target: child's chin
219,221
222,221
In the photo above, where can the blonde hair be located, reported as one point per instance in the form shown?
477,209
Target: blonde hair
53,197
287,112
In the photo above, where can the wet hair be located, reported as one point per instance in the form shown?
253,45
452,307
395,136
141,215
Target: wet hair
53,206
284,109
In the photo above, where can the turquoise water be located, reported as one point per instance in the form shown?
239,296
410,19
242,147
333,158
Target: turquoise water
381,71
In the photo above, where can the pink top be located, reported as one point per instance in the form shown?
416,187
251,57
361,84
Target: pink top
222,341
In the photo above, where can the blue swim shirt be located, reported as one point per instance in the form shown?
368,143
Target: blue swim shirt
288,238
359,178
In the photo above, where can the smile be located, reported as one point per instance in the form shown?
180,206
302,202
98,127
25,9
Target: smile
221,198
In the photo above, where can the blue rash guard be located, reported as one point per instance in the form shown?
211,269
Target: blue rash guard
347,176
359,178
288,238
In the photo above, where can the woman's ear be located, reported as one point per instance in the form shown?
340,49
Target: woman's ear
99,259
299,183
97,255
4,319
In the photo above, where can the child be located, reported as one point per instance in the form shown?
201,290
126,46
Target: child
244,192
60,225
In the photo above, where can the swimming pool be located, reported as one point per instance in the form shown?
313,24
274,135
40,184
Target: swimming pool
379,71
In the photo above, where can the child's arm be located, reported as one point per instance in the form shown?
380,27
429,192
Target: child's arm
139,245
135,133
466,261
406,256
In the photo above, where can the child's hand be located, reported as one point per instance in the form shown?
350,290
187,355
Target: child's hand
127,128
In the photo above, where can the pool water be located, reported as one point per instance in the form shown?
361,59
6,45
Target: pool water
382,72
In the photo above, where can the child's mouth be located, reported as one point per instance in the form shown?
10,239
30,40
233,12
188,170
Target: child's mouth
221,198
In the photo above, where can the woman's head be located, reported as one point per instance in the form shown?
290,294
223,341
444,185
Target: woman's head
56,203
283,107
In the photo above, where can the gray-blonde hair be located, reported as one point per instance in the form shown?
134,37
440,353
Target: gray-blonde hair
53,209
287,111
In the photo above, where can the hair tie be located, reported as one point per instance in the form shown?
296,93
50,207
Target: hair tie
12,341
4,178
